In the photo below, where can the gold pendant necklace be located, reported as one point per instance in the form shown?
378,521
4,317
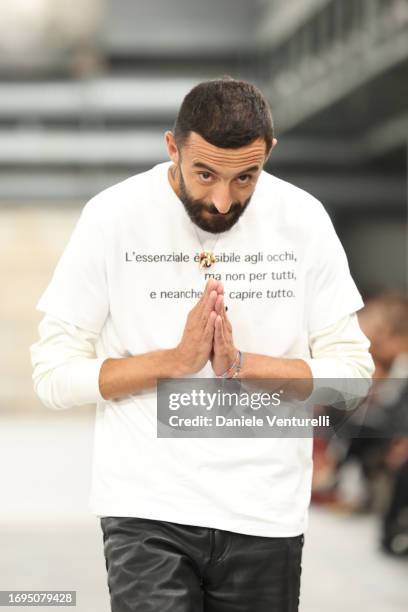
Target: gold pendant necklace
206,258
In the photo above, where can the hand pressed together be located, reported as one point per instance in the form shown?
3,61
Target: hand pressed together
207,334
223,353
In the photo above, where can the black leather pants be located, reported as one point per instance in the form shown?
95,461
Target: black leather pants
159,566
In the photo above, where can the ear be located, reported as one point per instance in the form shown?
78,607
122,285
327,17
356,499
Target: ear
172,149
274,143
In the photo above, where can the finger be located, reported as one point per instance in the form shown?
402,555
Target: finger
224,332
223,313
228,324
222,344
208,307
205,296
202,302
209,328
211,284
218,333
220,309
219,304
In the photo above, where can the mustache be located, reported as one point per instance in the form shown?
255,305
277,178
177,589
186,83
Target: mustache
213,210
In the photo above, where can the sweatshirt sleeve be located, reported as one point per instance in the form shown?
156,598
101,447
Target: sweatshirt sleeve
65,368
340,350
78,290
341,364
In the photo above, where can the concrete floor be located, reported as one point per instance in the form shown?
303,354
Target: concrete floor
49,540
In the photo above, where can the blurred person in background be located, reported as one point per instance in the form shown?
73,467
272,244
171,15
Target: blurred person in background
188,522
377,459
384,319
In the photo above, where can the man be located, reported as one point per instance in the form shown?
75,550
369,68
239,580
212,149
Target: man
147,277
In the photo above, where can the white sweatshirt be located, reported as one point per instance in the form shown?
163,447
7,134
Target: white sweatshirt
124,286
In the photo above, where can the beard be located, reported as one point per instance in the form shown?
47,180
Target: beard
206,216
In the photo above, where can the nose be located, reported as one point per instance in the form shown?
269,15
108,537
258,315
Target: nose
221,198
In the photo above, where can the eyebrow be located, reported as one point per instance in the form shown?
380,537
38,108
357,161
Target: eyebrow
206,167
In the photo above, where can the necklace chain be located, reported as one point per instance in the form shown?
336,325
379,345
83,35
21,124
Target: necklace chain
206,257
201,244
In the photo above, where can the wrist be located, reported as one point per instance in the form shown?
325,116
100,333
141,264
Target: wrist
234,367
232,356
175,365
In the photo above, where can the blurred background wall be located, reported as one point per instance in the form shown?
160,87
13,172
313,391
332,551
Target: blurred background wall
87,89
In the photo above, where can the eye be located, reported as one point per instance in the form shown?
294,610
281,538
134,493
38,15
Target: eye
205,176
244,178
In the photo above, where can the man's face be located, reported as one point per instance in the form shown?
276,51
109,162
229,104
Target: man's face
215,184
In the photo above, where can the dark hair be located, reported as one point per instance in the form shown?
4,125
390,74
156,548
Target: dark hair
226,113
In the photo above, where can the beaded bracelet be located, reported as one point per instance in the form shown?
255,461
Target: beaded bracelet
237,365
